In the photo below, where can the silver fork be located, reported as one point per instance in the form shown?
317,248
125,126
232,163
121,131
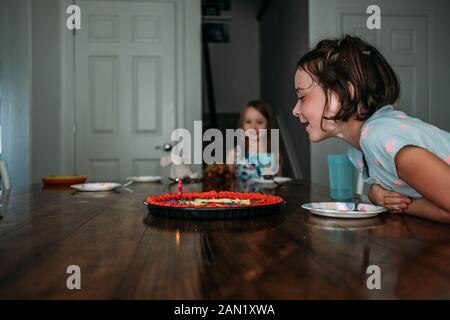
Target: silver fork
279,184
356,202
125,185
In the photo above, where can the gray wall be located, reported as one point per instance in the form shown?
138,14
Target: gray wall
235,65
15,56
46,111
284,39
36,122
30,88
441,115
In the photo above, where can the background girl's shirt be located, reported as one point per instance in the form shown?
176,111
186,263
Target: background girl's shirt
384,134
254,165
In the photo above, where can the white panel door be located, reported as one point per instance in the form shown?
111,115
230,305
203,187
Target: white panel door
406,39
404,42
125,79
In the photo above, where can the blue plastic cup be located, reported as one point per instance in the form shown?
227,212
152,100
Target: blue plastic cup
340,171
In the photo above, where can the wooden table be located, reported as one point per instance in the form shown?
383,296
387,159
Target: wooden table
292,255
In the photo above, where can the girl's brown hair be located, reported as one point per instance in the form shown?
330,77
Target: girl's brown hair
356,71
263,108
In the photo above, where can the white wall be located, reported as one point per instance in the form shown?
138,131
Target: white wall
15,55
323,24
235,65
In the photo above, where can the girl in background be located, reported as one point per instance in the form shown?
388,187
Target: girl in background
254,116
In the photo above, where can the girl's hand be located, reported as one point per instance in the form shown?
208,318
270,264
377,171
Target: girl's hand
393,201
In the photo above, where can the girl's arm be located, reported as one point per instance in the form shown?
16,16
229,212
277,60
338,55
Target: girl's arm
425,209
429,176
393,201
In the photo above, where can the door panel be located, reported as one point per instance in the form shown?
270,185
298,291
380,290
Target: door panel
125,81
406,39
398,42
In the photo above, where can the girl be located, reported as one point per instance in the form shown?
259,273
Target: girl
254,117
346,89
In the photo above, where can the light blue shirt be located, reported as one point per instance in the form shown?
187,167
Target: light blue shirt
384,134
254,164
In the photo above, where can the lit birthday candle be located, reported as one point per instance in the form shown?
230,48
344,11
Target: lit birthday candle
180,188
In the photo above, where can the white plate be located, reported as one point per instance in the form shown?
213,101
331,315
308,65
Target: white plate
97,186
343,209
272,181
145,178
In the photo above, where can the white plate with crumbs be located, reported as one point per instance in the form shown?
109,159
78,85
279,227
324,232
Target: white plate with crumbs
275,180
145,178
344,209
96,186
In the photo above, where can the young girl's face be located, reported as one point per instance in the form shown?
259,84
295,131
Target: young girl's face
253,119
310,105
